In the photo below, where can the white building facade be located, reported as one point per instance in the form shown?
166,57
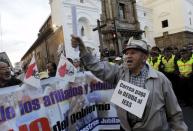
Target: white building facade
172,21
87,13
145,18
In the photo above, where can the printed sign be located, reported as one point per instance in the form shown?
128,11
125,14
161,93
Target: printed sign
130,97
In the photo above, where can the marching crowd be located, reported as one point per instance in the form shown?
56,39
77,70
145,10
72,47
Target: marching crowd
6,79
162,110
141,67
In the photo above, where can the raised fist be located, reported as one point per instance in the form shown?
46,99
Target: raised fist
77,41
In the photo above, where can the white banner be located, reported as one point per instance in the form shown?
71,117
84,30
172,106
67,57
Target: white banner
82,105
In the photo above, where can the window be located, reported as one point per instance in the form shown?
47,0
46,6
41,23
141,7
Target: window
82,31
164,23
81,1
144,14
121,11
190,20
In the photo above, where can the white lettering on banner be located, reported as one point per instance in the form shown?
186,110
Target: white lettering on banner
130,97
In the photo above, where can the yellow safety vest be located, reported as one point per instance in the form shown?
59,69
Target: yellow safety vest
160,56
185,68
148,60
169,65
156,64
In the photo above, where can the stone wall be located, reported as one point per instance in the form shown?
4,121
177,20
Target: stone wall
177,39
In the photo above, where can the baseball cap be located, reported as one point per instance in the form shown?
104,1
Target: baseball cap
136,44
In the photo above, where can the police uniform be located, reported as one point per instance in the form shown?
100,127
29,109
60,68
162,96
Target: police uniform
169,63
185,69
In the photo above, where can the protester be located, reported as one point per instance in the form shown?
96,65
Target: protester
5,76
118,60
22,75
77,65
162,112
51,67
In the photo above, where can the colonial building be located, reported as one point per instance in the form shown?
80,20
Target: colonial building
172,21
145,18
121,21
79,16
46,45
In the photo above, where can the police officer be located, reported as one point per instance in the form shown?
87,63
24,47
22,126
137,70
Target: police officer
155,59
169,61
185,71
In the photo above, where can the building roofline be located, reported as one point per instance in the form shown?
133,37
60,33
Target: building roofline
40,37
49,17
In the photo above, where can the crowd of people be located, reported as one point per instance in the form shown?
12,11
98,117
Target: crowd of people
10,78
144,68
162,111
6,78
177,65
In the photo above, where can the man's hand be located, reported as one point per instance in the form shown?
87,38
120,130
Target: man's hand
77,41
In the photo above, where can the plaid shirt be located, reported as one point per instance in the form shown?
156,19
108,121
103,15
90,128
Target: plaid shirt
138,80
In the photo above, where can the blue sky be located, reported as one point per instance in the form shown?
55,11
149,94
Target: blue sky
20,21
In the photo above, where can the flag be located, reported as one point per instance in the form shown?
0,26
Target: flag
65,70
32,76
